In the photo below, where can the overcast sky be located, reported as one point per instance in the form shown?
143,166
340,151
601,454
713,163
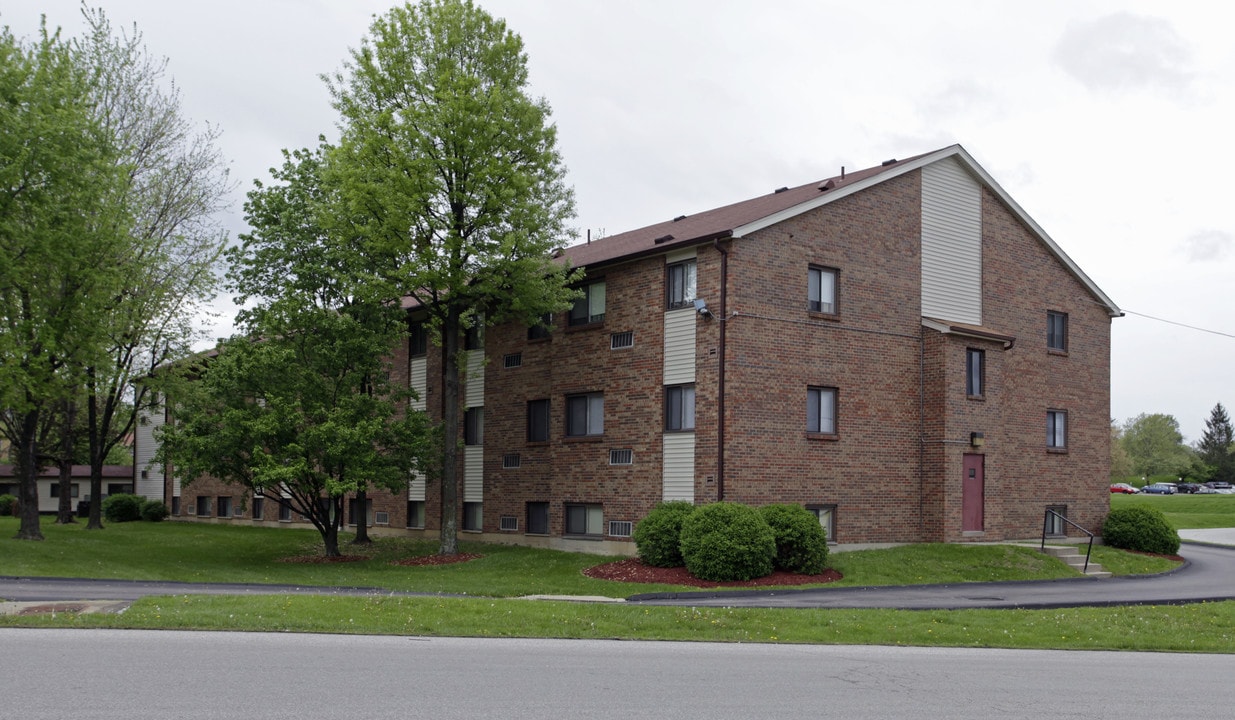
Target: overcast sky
1109,122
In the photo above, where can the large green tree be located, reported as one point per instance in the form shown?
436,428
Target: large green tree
1155,445
301,408
452,170
175,181
63,222
1216,448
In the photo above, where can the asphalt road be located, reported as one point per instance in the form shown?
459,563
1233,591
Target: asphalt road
1209,576
135,675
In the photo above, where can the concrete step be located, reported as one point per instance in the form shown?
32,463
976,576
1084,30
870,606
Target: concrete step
1075,559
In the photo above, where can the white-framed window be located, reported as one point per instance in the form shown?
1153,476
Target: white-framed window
680,284
821,410
1057,429
584,519
585,414
827,518
473,516
259,507
679,408
590,308
1054,525
821,290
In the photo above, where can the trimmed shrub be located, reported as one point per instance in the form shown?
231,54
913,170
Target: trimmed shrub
658,536
727,541
122,507
8,505
801,545
154,511
1142,528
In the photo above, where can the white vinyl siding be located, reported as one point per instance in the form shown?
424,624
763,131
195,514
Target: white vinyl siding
951,243
145,446
416,487
473,473
475,379
678,474
680,346
419,381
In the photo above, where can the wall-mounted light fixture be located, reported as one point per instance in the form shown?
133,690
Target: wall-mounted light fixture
977,439
701,307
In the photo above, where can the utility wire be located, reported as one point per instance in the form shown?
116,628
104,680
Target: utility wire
1184,325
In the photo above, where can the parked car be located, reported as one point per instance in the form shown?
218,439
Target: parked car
1159,489
1124,488
1205,490
1188,488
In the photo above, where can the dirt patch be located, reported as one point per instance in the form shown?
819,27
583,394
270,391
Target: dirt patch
49,608
634,570
437,560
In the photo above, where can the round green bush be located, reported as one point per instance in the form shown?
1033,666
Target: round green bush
1142,528
8,505
658,536
727,541
154,511
122,507
801,545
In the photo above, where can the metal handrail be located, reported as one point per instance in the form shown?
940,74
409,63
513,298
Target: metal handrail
1046,521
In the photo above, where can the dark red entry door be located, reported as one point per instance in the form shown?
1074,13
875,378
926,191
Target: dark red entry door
973,495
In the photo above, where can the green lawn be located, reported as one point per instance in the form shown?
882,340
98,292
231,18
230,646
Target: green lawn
196,552
1187,511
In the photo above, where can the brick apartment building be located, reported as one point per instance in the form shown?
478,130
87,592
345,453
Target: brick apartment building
901,349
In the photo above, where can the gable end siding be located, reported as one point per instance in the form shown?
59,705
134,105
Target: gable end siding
951,244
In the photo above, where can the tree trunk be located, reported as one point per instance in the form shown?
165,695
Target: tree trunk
96,460
64,508
450,433
28,478
362,522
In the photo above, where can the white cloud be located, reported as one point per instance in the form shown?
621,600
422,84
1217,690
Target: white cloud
1208,246
1123,52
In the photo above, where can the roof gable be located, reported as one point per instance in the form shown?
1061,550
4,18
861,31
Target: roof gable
748,216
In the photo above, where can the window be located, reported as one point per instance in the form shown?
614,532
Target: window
584,519
975,366
821,290
538,421
225,506
175,505
538,518
680,407
1054,524
1057,331
416,513
417,340
353,511
591,307
680,284
622,456
118,488
827,518
474,337
285,512
473,517
259,507
474,426
55,490
585,415
1056,429
541,330
821,410
203,507
511,461
622,340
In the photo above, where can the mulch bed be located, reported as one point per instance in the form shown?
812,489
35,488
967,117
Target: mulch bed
634,570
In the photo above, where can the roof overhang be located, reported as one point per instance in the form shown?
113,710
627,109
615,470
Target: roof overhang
975,332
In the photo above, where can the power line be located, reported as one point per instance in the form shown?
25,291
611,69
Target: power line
1184,325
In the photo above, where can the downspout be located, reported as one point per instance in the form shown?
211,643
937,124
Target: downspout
720,379
922,434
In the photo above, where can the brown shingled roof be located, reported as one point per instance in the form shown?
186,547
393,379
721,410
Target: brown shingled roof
716,223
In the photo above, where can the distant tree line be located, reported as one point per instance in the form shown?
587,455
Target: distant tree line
1151,444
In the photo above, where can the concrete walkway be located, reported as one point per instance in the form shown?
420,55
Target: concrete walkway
1209,576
